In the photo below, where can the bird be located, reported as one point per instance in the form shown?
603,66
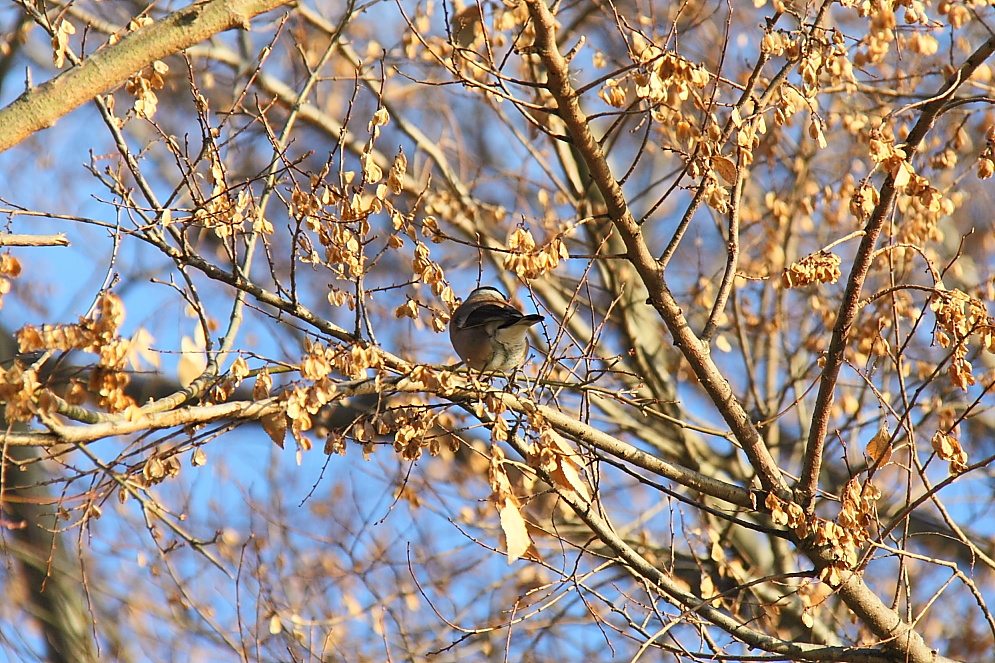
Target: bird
489,334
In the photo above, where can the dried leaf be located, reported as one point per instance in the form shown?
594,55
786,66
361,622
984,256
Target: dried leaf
380,118
948,448
275,426
815,132
726,168
879,448
396,178
903,173
567,472
239,370
372,173
262,386
140,349
193,360
515,531
722,343
199,458
775,506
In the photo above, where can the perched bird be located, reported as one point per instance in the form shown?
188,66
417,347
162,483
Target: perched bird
488,333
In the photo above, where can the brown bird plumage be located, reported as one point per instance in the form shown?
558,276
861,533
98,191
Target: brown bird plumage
489,334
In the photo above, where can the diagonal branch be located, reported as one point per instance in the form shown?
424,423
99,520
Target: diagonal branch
697,353
805,493
897,635
41,106
642,569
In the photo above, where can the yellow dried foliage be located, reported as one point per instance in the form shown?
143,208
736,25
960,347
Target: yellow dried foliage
813,595
726,168
380,119
857,509
318,361
334,443
863,201
395,180
98,336
359,359
239,371
372,173
18,391
879,448
223,212
844,537
666,78
948,448
512,523
159,467
431,274
342,247
818,267
9,266
140,350
530,262
959,317
784,513
143,84
499,430
411,433
337,297
612,93
409,309
298,400
198,458
60,42
558,459
986,168
442,382
516,532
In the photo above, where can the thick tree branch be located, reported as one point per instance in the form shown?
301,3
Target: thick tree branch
669,586
809,481
41,106
895,633
697,353
254,410
8,239
589,435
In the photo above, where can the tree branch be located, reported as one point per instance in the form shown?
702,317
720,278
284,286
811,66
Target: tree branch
697,354
9,239
41,106
809,481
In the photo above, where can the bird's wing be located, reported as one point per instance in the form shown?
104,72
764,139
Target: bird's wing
489,313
